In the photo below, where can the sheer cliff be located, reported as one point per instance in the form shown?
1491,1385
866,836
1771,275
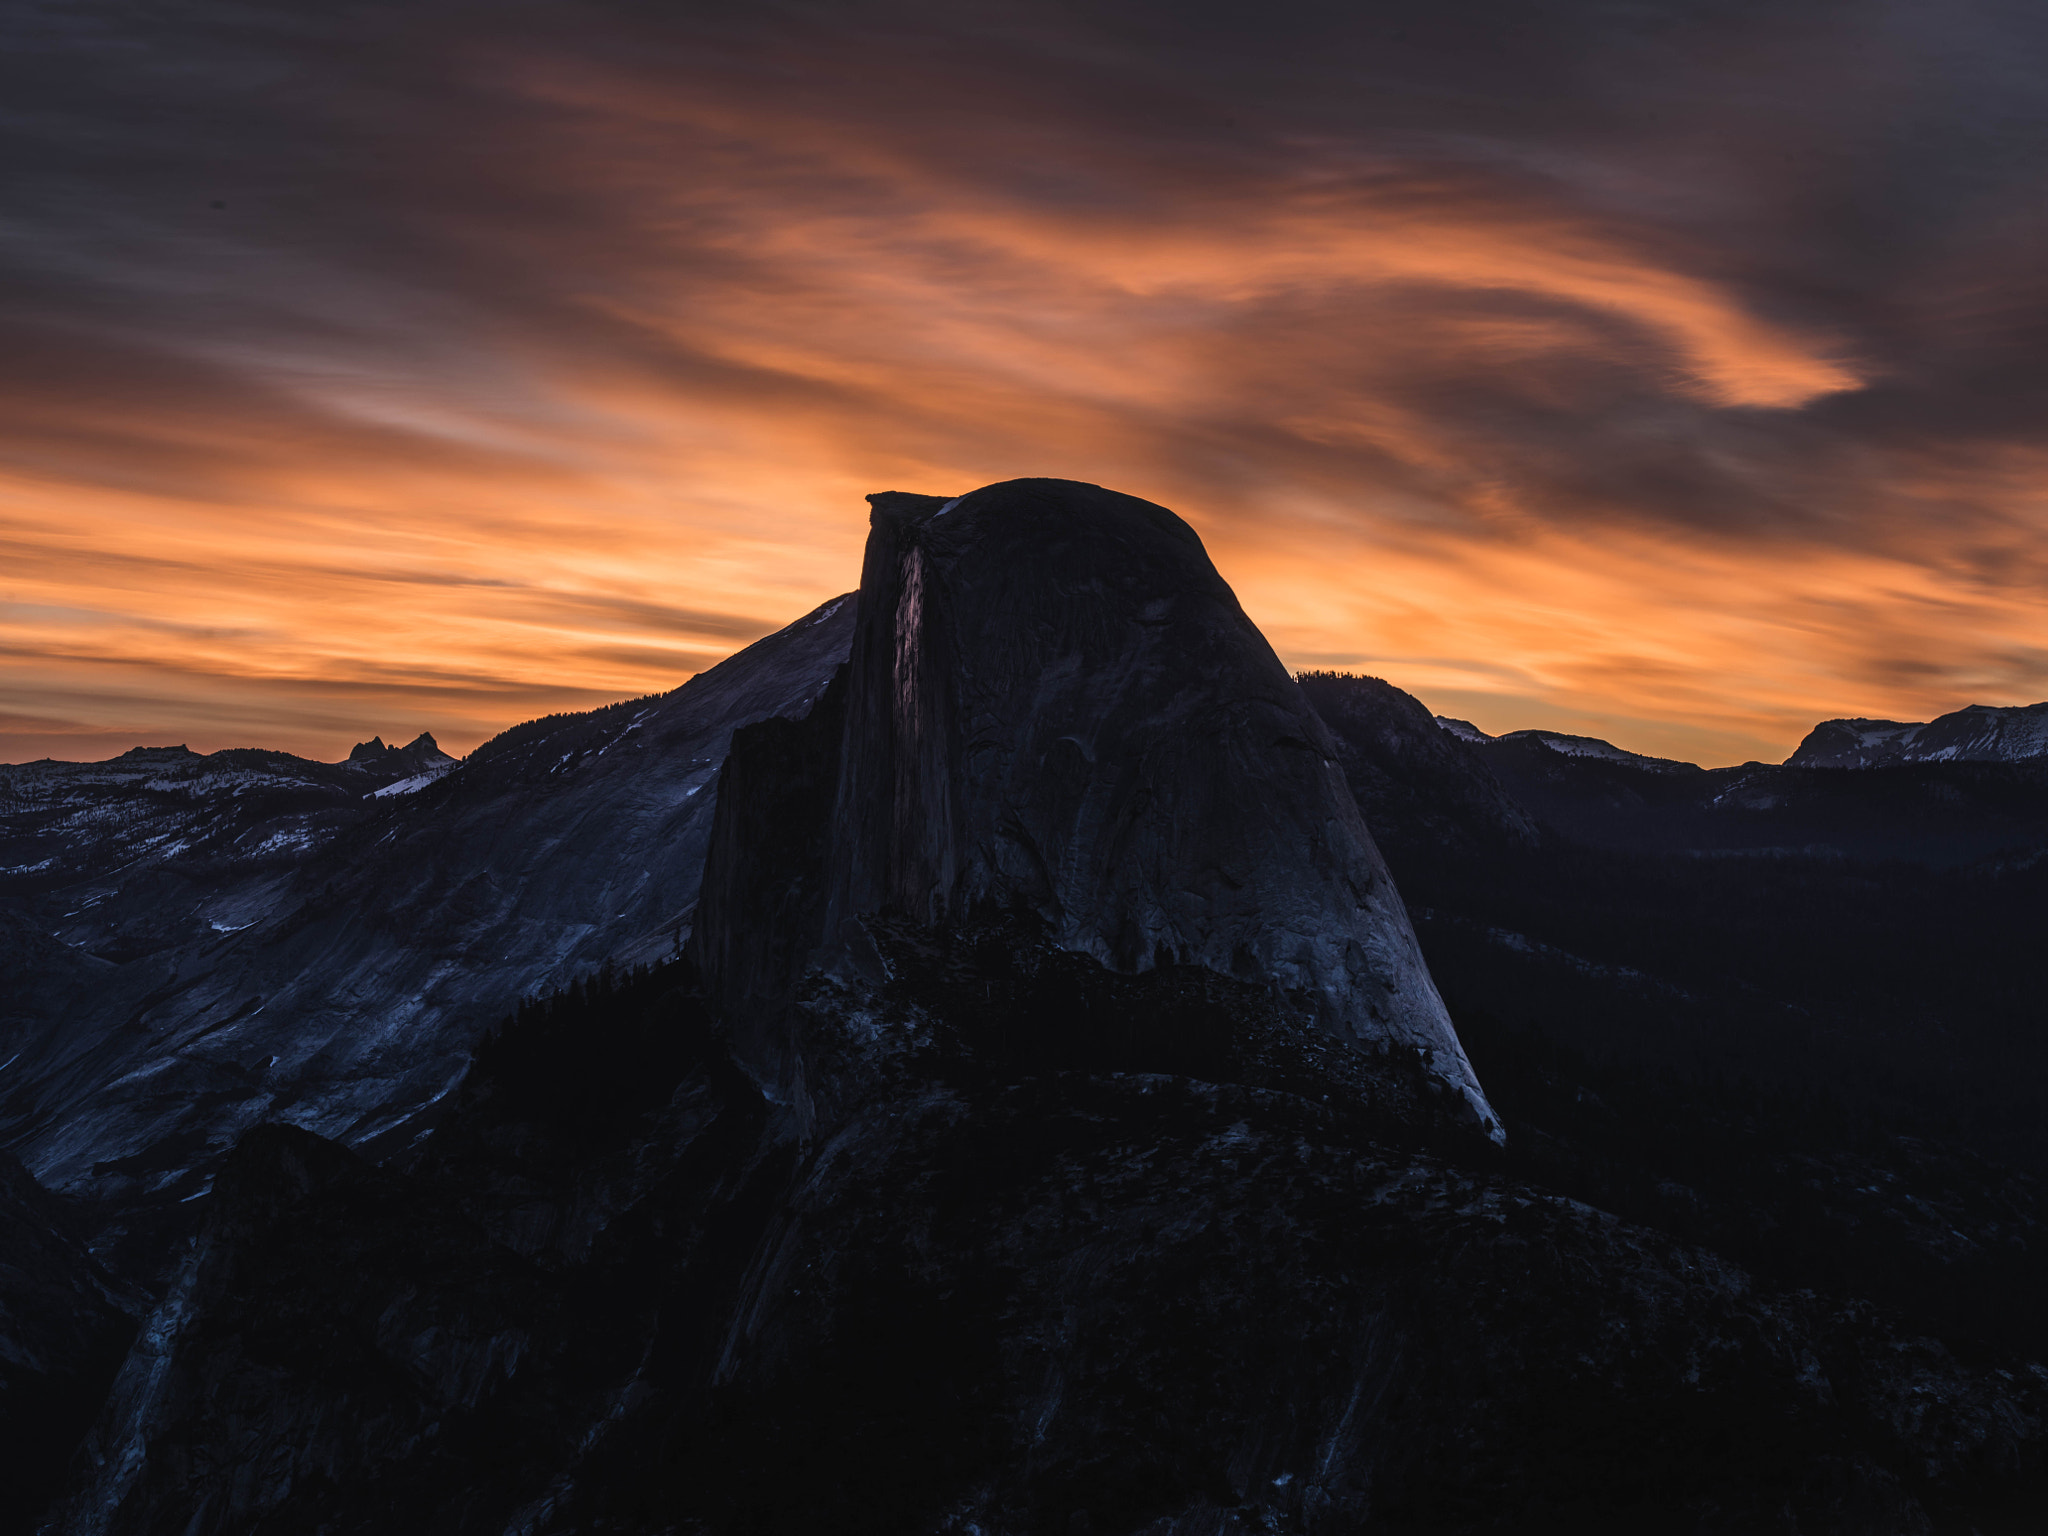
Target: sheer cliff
1054,704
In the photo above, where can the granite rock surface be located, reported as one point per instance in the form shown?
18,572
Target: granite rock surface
342,990
1055,704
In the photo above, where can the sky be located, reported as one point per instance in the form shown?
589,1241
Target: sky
1672,373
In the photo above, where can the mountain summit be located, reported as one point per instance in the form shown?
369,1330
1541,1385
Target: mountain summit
1055,704
419,755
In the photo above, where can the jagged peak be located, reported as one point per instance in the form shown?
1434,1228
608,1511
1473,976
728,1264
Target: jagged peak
424,750
421,752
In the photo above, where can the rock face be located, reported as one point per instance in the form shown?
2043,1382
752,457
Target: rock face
341,989
350,1357
1055,704
1980,733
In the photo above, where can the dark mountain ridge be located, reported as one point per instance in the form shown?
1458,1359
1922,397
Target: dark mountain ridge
69,828
1976,733
1936,813
1855,934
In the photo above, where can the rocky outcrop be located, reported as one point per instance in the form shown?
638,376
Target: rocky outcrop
416,756
410,768
1978,733
1054,704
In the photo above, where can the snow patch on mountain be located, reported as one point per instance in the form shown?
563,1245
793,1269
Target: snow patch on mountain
1464,730
413,785
1568,745
1604,751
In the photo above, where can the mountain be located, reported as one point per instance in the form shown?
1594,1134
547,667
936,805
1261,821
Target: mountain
419,755
1787,1014
186,995
1979,733
1055,707
941,1186
1849,942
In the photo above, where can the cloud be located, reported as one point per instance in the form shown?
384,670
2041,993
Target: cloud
1634,367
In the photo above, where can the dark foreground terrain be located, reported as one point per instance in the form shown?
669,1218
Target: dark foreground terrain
1099,1290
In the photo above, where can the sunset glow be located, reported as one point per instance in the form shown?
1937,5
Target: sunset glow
561,372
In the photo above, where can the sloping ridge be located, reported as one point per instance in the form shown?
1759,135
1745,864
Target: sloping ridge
1055,702
351,999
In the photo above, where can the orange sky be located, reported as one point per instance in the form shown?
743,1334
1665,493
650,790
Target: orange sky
571,379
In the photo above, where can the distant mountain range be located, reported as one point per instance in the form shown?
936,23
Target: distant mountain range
1980,733
161,807
1977,733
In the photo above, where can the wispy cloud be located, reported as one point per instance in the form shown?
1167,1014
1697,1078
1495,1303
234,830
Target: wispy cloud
1631,368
